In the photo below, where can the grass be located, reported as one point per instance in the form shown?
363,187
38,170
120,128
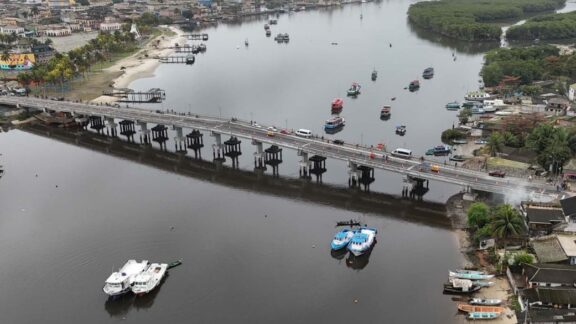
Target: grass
500,162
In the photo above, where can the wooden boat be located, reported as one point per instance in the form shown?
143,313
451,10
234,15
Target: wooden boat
428,73
450,289
475,308
454,105
337,104
457,158
485,301
483,315
385,111
459,141
174,264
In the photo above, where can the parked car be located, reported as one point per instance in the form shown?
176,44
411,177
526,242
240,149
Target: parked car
497,173
338,142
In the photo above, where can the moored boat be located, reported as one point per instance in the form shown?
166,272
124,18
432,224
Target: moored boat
485,301
475,308
268,33
477,110
266,27
342,238
334,122
174,264
484,283
374,75
362,240
273,22
354,89
246,42
460,286
483,315
337,104
401,130
146,281
471,275
121,282
428,73
454,105
414,85
477,96
459,141
190,59
385,112
457,158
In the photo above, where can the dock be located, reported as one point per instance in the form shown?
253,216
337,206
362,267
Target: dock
154,95
203,37
174,59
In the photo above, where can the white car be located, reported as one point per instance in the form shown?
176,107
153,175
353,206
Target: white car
304,133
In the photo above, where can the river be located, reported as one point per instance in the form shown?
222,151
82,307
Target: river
71,215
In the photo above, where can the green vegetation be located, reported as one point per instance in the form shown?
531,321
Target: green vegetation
552,26
552,146
451,134
470,19
464,115
523,258
501,222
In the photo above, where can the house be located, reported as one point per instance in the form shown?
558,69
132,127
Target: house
541,219
11,29
549,250
551,297
549,275
557,105
569,207
43,53
568,244
547,315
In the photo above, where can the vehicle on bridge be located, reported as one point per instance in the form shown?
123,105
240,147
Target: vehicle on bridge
271,131
402,153
304,133
338,142
497,173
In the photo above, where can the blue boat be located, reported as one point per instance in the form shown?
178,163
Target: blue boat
362,240
334,122
342,238
470,275
483,315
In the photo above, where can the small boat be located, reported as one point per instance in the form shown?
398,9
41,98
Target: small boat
459,141
489,108
354,90
334,122
485,302
460,286
362,240
273,22
202,47
374,75
342,238
268,33
385,111
266,27
457,158
174,264
351,222
190,59
414,85
469,104
146,281
120,282
428,73
485,309
393,98
477,96
483,315
442,149
246,42
477,110
471,275
484,283
337,104
401,130
454,105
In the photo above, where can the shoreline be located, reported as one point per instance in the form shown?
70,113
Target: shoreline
138,66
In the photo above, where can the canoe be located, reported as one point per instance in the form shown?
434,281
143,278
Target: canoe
484,309
174,264
470,275
485,301
483,315
450,289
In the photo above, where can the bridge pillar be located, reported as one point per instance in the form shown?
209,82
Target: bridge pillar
366,176
259,156
111,129
217,149
160,135
304,171
232,150
127,129
96,123
179,140
318,166
195,141
273,157
415,188
145,136
353,178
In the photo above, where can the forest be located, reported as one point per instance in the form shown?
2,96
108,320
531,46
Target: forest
547,27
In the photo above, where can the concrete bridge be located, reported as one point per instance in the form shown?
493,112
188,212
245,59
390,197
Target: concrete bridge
361,160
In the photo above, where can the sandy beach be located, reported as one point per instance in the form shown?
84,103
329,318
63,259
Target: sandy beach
137,65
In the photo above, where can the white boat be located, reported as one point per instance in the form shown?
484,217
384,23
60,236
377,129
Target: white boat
489,108
470,275
146,281
485,302
120,282
477,96
362,240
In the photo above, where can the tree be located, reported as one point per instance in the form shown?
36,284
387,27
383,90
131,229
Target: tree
523,258
451,134
506,222
495,143
478,215
48,42
5,56
464,115
552,146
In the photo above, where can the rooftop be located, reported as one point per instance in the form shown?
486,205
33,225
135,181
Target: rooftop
568,244
549,250
551,295
568,206
550,273
545,215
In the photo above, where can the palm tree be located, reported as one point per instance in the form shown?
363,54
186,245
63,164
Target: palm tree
5,56
495,143
506,222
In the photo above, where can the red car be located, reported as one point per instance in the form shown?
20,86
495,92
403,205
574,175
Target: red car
497,173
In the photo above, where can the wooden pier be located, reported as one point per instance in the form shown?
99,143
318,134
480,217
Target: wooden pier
189,59
203,37
154,95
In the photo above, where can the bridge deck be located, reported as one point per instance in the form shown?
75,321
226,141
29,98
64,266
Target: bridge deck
351,153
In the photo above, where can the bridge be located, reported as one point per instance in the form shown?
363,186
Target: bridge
359,158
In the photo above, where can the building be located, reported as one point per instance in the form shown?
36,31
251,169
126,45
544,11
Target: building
541,219
558,249
558,105
60,4
11,30
549,275
43,53
110,26
54,30
569,207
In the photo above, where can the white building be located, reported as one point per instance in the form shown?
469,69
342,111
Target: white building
11,30
110,26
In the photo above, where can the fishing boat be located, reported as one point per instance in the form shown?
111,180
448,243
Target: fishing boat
174,264
362,240
459,141
334,122
146,281
266,27
354,90
385,112
477,96
268,33
428,73
351,222
475,308
471,275
246,42
337,104
457,158
454,105
190,59
273,22
401,130
460,286
483,315
414,85
374,75
342,238
120,282
485,301
484,283
477,110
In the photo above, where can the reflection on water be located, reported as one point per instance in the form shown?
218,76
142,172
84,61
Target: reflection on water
333,131
359,262
338,254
